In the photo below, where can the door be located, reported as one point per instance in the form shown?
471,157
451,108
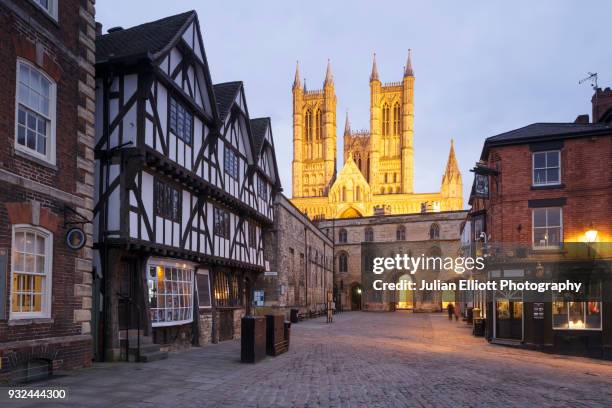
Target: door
356,297
509,319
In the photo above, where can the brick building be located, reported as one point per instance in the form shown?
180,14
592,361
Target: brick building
359,240
46,185
542,194
300,257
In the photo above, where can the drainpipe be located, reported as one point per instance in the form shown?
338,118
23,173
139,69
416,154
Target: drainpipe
306,260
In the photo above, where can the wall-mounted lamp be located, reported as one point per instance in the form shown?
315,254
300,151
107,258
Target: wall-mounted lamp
591,234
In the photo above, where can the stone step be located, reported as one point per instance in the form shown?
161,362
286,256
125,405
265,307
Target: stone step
144,348
154,356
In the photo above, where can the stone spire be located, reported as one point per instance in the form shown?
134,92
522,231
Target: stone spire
452,168
374,74
347,125
297,82
408,72
329,78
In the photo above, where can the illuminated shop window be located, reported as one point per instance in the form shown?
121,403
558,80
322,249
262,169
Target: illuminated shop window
581,311
170,287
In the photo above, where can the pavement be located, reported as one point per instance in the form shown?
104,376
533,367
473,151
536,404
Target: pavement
361,360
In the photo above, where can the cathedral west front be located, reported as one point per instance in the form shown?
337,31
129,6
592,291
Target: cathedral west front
377,176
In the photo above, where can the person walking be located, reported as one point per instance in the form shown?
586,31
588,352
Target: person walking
451,310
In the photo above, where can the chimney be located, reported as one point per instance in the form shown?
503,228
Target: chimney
582,119
602,102
98,29
114,29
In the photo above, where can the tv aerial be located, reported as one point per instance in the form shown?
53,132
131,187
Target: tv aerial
591,79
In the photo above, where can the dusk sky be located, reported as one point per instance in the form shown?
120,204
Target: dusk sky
481,68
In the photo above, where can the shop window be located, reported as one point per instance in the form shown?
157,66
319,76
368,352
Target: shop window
167,201
32,250
580,311
546,168
170,288
227,290
36,99
181,121
547,228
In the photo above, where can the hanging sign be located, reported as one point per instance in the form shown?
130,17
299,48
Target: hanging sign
75,238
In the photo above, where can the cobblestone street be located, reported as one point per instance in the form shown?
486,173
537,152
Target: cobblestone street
363,359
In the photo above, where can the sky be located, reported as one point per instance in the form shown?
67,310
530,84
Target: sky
481,67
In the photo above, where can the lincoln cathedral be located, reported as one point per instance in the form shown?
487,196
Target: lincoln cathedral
377,176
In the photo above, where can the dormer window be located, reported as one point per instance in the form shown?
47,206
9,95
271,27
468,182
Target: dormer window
547,168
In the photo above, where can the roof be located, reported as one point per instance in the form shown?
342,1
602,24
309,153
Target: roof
544,131
225,94
258,127
142,39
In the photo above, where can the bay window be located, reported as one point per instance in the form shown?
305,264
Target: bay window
35,113
170,289
31,264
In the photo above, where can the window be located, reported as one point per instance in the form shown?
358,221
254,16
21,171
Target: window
400,234
343,263
49,6
369,235
434,231
319,125
181,121
230,162
31,259
546,168
35,111
547,228
252,235
221,223
227,290
167,201
581,311
396,119
262,188
358,193
385,120
342,236
170,287
308,125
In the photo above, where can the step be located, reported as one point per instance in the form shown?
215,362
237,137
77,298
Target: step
144,348
154,356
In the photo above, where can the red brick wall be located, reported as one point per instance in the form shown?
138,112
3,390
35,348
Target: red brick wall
586,178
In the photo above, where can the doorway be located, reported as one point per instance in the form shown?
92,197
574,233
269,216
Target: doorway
356,296
405,297
509,319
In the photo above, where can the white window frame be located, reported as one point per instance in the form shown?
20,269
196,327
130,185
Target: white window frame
49,157
173,263
51,9
45,311
533,169
533,227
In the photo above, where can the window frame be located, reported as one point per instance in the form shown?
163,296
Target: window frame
50,156
163,188
46,296
168,263
53,13
262,188
342,236
252,232
187,114
368,234
400,233
343,261
533,169
434,231
233,165
533,227
223,229
556,298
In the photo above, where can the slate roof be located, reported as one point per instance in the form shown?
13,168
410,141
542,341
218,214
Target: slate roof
150,37
258,128
225,94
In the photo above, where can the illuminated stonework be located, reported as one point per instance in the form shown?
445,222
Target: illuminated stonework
378,172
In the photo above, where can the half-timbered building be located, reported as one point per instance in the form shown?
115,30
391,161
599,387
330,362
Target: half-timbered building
184,188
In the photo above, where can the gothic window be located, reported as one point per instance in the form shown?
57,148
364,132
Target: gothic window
343,263
342,236
434,231
358,193
400,234
319,125
385,122
308,125
369,235
396,119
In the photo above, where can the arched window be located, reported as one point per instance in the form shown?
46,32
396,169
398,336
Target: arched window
400,234
343,263
434,231
319,125
30,293
343,193
396,119
369,235
308,125
385,120
342,236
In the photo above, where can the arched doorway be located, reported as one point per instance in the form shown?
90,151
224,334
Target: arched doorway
405,297
356,296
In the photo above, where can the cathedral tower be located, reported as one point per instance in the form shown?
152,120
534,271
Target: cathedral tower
407,129
314,137
452,185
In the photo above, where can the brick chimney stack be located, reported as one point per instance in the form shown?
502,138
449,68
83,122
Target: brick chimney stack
601,101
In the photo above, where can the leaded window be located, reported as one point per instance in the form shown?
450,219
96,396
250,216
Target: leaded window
170,289
262,188
221,223
226,289
230,162
252,235
181,121
167,201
